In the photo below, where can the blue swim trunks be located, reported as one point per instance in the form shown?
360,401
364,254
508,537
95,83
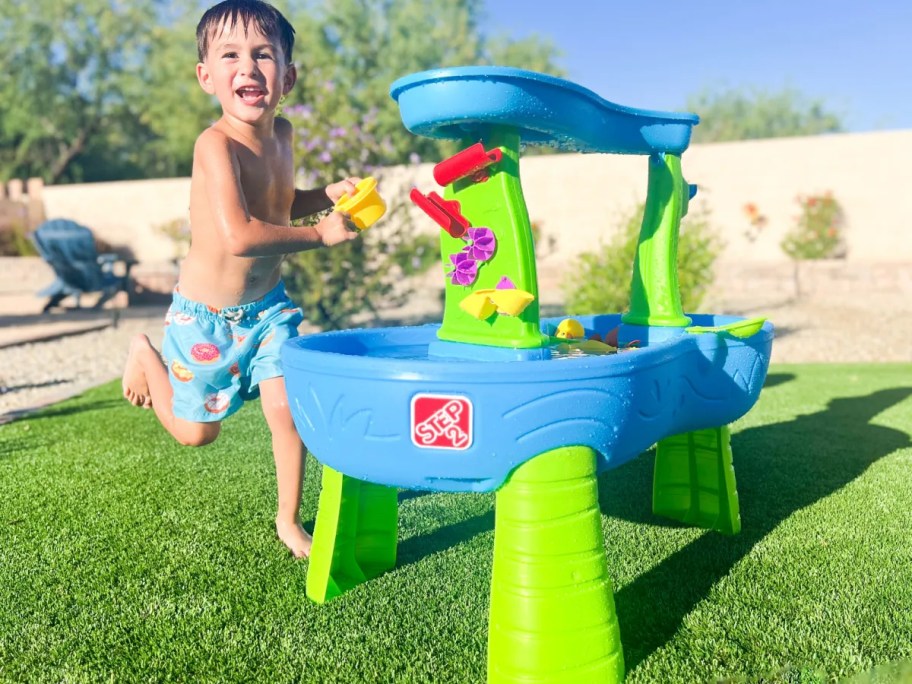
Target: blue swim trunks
216,358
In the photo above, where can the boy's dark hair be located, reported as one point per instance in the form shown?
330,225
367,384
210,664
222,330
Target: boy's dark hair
264,16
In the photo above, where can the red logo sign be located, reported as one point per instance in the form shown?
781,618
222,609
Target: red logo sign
441,422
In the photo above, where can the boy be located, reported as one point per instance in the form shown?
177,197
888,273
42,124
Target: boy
230,313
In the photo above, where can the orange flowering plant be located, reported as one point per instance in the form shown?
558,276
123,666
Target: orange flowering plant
817,233
756,221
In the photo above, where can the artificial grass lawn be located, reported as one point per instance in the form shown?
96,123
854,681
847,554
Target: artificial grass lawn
126,557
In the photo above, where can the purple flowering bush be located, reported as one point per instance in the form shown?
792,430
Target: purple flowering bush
333,141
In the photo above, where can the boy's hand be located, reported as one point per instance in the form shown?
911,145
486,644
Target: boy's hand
335,190
336,228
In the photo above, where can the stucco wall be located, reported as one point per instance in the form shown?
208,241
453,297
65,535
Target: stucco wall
579,198
127,213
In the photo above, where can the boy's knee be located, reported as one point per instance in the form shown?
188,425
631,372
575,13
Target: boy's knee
277,412
198,434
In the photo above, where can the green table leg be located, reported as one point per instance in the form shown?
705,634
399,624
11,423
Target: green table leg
378,517
354,535
694,480
552,616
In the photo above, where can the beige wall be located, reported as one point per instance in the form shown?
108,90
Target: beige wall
128,213
578,198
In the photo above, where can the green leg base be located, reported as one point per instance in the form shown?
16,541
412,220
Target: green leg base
378,517
552,617
694,480
354,535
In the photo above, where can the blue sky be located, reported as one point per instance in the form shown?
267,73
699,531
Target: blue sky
854,56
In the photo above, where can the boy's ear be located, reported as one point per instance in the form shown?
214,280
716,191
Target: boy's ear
291,77
204,78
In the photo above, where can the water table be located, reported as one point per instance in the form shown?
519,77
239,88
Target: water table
495,398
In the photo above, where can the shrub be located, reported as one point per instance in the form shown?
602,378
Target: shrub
817,233
366,275
599,281
14,242
178,231
361,276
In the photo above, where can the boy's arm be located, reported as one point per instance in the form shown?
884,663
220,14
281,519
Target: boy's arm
308,202
246,235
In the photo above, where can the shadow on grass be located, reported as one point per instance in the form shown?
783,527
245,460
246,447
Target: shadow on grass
71,408
68,408
10,447
773,379
416,548
780,469
407,494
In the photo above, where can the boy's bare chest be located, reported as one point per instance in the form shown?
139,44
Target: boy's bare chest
267,178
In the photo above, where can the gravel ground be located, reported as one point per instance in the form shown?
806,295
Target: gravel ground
867,328
42,373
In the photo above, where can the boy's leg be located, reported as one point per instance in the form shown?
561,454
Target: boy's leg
146,384
289,453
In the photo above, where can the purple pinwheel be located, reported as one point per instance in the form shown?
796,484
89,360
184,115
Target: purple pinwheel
480,247
481,243
465,269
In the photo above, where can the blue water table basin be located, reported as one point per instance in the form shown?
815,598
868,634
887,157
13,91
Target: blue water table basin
354,394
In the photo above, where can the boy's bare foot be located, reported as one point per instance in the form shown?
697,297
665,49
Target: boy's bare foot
135,386
295,538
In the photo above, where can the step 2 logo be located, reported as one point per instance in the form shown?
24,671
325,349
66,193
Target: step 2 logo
441,421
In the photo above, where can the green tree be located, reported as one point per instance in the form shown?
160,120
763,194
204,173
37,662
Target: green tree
104,89
362,46
91,88
738,115
168,102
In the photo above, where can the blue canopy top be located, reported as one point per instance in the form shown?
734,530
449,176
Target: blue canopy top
463,102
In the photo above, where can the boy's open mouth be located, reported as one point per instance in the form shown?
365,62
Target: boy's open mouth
250,94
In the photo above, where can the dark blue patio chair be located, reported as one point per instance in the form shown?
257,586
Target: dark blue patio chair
69,248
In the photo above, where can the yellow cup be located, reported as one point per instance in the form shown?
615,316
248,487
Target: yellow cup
366,206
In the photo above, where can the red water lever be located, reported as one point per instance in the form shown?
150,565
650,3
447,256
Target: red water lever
445,213
466,163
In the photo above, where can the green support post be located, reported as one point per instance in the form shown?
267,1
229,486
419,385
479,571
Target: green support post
694,480
375,541
552,617
655,298
354,535
496,203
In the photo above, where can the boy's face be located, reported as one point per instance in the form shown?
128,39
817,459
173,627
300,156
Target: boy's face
247,73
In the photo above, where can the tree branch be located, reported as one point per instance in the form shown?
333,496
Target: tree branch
68,152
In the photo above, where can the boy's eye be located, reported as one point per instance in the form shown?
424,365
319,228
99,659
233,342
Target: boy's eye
230,55
263,55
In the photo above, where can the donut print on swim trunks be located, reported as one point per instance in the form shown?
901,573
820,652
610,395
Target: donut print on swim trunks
205,352
181,372
181,318
216,402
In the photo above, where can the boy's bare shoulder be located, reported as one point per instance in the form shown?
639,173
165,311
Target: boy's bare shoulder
211,145
210,138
